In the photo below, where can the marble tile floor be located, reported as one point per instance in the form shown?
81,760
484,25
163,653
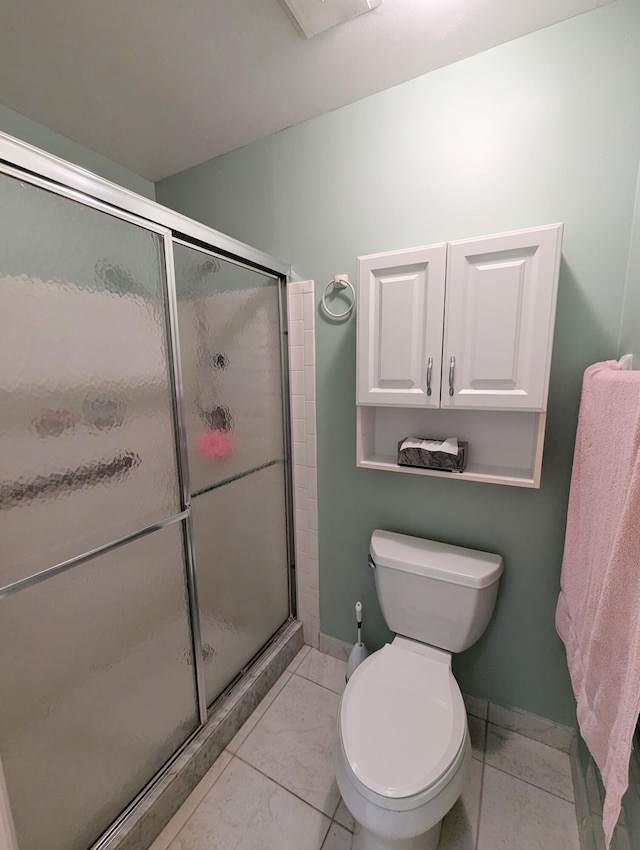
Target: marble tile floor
273,788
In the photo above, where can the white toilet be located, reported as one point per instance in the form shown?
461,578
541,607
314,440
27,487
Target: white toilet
403,743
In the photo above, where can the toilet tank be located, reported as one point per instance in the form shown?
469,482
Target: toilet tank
433,592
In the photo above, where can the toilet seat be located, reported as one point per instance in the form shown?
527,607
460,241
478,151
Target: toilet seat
402,725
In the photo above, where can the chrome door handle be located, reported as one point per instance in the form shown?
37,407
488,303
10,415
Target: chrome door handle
452,369
429,370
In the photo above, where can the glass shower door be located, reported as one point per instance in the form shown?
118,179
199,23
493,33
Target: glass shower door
96,665
230,351
87,442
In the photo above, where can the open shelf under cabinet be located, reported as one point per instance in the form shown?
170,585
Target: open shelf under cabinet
505,447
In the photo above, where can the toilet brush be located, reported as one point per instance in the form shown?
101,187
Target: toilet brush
359,651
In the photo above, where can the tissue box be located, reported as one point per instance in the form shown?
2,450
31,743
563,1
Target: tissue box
431,458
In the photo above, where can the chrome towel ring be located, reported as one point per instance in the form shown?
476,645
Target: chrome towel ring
340,281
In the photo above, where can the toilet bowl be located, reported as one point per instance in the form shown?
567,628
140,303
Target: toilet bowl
405,698
402,744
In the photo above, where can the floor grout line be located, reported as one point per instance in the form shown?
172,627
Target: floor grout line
342,826
322,843
284,788
523,735
484,745
319,684
532,784
481,796
333,817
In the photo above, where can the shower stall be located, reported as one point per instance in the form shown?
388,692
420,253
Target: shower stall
145,535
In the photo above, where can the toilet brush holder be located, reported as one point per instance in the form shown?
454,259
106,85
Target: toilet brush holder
359,651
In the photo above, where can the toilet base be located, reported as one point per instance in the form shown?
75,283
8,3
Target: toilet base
365,840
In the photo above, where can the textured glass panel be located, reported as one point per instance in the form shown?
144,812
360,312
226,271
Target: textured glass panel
86,433
97,689
230,349
241,556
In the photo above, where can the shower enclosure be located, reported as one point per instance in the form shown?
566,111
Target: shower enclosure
145,551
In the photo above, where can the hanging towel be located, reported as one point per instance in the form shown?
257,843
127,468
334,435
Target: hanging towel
598,613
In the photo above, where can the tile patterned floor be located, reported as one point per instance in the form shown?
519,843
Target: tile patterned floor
274,789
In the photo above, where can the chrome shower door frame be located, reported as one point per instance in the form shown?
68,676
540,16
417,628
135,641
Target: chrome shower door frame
281,279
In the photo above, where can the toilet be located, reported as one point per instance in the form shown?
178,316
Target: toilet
403,749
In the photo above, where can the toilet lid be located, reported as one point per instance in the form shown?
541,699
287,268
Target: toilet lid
402,722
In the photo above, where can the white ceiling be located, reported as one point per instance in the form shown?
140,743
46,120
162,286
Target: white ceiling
161,85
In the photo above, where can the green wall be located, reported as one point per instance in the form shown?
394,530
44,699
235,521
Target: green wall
24,128
543,129
630,330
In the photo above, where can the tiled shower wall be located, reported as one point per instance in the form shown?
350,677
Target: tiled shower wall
302,378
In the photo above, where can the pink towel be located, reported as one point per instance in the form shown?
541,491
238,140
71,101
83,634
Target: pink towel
598,613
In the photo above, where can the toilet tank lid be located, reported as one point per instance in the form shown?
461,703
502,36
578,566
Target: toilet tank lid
432,559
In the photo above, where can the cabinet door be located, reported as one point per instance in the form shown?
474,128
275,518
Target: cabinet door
499,317
400,310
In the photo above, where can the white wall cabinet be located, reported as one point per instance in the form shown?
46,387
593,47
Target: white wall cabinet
464,327
499,318
400,310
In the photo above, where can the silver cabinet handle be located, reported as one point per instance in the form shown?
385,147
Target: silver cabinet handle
452,369
429,370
